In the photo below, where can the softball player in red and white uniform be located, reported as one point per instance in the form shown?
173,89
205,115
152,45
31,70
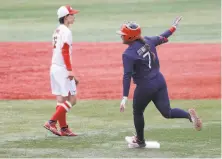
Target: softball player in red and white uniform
63,82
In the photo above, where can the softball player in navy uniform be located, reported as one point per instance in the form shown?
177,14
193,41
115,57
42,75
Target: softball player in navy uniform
141,62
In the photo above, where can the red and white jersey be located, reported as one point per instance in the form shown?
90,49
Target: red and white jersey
62,47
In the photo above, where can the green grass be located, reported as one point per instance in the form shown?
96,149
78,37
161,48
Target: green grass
102,128
26,20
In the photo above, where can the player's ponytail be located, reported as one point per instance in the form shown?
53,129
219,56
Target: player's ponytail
61,20
147,46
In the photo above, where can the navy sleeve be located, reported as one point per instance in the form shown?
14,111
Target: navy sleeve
128,63
162,38
166,34
158,40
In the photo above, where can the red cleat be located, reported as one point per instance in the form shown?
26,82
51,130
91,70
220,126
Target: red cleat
67,132
52,127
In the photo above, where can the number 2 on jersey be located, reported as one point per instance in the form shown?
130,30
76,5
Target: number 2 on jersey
54,41
55,38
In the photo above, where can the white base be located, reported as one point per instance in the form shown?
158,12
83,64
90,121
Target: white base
149,145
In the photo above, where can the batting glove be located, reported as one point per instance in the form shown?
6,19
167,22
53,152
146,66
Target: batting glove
123,104
176,21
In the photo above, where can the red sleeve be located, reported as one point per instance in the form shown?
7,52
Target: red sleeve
172,29
66,57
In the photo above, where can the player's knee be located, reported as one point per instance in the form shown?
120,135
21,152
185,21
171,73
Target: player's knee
166,114
61,99
137,112
73,100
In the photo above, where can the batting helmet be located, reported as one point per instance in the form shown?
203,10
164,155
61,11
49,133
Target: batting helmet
130,31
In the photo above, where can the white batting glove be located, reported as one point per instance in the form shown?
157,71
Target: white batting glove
176,21
123,104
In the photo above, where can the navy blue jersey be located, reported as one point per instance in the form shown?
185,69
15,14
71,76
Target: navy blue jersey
142,64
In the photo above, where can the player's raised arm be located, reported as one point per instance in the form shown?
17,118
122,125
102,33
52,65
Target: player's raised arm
163,38
172,29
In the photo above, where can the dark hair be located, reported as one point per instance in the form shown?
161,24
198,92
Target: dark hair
62,19
147,46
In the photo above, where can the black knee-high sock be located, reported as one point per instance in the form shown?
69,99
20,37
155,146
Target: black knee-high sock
139,125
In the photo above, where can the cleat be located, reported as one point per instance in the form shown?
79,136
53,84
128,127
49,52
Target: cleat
52,127
67,132
134,142
195,119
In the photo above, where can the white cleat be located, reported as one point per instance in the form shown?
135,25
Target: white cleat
195,119
132,143
130,139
